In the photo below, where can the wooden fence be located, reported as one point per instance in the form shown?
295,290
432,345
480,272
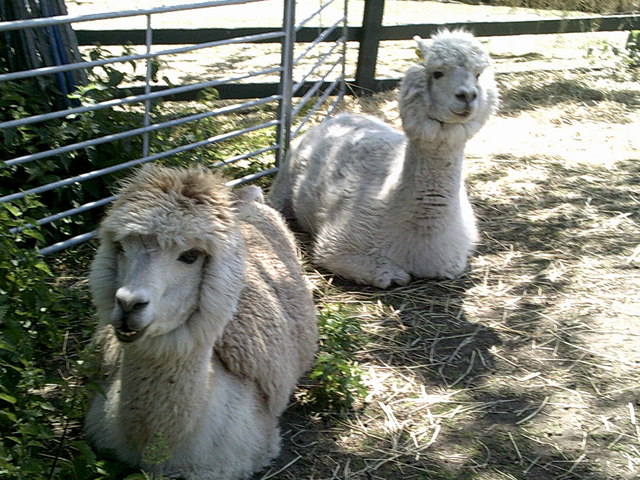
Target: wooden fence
368,36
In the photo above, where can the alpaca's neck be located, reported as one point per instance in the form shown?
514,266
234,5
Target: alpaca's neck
163,398
431,177
434,160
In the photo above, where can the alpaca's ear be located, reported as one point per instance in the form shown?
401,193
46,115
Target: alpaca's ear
422,49
102,277
223,279
249,193
246,197
415,102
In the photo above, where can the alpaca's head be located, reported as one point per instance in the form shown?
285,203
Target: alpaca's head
456,76
170,266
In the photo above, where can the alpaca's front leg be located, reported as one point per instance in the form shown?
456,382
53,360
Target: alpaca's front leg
368,267
364,269
449,266
443,257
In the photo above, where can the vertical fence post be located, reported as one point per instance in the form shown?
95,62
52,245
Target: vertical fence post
147,88
286,79
345,35
368,52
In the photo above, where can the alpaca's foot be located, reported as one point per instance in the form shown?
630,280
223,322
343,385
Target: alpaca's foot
371,270
449,273
448,270
385,279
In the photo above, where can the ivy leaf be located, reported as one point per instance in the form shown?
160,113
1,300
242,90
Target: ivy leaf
115,77
8,398
15,211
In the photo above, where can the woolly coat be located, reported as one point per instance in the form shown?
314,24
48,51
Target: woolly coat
202,400
384,205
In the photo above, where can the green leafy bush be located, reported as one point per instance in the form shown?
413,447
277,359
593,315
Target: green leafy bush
218,154
34,96
25,98
336,373
42,328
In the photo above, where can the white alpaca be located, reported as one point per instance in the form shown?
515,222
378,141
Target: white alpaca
205,326
382,205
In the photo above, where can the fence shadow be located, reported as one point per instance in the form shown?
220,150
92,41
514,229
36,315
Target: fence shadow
504,346
539,90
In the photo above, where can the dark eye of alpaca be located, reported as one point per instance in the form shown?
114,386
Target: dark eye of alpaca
438,74
477,76
189,256
117,246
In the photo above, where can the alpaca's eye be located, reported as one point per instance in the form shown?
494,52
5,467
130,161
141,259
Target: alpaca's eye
477,76
117,246
438,74
189,256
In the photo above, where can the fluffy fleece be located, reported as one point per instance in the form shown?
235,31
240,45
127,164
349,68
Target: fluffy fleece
205,326
384,205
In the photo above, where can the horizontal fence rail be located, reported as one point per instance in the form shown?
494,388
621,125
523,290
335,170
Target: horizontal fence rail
368,37
609,23
73,175
68,19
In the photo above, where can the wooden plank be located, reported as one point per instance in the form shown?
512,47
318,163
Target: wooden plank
521,27
392,32
183,36
170,36
231,91
365,81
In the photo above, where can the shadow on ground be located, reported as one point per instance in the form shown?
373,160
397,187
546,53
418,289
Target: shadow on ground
539,90
501,356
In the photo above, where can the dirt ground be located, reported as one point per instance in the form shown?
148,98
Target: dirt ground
527,366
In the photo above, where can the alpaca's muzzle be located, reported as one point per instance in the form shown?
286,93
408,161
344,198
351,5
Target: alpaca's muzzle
127,317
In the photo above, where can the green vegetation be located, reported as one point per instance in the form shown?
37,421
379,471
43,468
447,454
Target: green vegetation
337,374
628,56
42,333
24,98
217,155
34,96
633,48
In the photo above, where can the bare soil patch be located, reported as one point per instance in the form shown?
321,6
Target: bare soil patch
525,368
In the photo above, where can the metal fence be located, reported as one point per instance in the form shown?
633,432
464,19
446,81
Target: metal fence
216,110
73,170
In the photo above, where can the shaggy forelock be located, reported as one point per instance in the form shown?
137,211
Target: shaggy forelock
456,48
175,206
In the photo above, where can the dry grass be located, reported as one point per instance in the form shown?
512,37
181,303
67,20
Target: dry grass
525,368
595,6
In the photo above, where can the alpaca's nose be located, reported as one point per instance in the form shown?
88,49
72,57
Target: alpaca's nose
467,95
130,300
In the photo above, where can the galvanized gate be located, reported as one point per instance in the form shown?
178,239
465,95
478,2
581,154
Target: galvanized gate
72,126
